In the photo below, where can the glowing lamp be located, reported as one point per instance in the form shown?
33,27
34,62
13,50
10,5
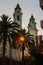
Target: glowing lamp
22,38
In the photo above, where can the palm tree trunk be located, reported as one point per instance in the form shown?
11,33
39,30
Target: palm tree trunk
10,51
4,49
10,55
23,54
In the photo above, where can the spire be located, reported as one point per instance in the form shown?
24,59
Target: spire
18,7
32,17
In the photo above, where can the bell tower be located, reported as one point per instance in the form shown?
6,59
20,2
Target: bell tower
18,15
32,26
32,29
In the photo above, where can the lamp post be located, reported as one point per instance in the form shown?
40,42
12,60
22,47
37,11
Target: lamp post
22,39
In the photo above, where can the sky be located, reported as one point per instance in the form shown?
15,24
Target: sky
28,7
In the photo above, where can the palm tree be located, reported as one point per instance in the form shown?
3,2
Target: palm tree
29,40
7,27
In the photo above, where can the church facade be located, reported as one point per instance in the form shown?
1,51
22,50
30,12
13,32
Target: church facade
17,16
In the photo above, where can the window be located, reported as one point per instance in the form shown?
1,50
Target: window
18,18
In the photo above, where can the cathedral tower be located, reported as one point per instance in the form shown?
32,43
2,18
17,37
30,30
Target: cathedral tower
32,26
18,15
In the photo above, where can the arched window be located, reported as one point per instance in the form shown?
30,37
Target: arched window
18,17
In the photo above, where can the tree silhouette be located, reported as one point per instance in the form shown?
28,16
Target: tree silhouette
7,30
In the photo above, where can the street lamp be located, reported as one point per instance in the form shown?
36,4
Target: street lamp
22,39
